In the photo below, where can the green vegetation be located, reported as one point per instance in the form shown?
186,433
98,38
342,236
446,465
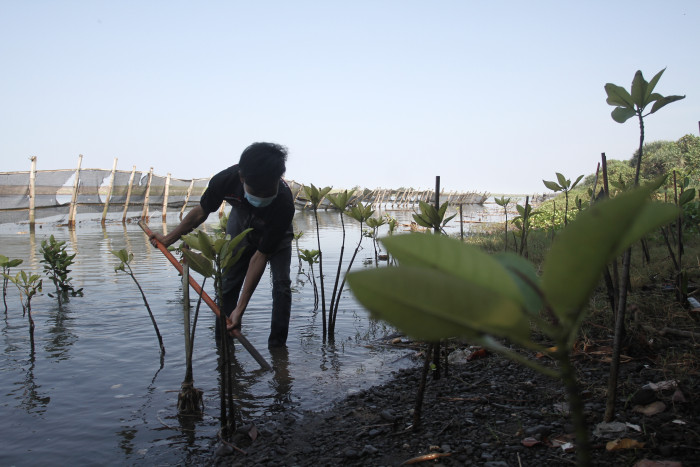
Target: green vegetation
28,285
443,288
56,263
7,264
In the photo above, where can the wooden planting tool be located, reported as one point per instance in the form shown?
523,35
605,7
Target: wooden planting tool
207,299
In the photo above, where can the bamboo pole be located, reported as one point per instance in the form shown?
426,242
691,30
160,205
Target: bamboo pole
144,212
165,197
128,194
187,198
32,192
109,192
74,200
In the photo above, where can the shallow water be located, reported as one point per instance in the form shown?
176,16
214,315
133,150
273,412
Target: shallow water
94,390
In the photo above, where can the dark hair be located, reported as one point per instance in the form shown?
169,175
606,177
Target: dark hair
262,164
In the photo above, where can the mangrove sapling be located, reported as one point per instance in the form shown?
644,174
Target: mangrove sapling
311,257
216,255
7,264
29,285
361,213
564,185
374,223
432,218
504,202
297,236
522,222
315,197
444,288
56,263
125,258
340,201
628,105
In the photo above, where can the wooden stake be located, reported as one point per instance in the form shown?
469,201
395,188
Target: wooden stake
165,197
128,194
74,200
187,199
32,192
109,192
144,212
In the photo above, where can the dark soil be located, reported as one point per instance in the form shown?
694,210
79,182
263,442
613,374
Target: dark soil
493,412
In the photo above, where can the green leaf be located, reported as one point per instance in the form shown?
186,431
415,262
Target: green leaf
639,90
563,182
420,220
579,253
206,245
123,255
14,263
576,182
199,263
651,216
663,101
551,185
618,96
451,256
686,197
622,114
651,86
192,241
432,305
525,277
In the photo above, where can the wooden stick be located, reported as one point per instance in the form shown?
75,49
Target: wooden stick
128,193
109,192
207,299
74,200
32,192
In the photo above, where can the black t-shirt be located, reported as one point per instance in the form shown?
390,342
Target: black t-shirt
271,224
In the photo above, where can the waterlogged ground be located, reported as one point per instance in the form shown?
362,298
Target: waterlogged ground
94,389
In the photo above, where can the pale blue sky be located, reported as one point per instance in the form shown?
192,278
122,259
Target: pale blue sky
492,96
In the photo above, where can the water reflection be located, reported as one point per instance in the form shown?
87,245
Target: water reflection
282,381
60,331
32,400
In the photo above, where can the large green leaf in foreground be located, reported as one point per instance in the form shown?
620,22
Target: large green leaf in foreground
443,288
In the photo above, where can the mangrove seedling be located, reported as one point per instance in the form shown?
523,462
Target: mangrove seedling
564,185
311,257
361,213
125,258
628,105
432,218
340,201
7,264
315,197
374,223
504,202
216,254
444,288
522,222
297,236
28,285
56,263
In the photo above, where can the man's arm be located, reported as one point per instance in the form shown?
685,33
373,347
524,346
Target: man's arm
256,267
192,220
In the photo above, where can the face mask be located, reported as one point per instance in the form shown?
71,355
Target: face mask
257,202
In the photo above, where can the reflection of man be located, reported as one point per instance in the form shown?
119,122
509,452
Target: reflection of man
259,199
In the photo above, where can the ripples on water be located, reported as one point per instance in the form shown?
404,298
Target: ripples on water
94,392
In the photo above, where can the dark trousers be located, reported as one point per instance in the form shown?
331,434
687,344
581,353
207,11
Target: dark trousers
281,286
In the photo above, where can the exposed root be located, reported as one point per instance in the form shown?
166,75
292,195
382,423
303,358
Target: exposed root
189,400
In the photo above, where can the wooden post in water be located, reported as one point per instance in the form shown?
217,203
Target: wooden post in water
109,192
74,199
144,212
32,193
128,194
165,197
187,198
